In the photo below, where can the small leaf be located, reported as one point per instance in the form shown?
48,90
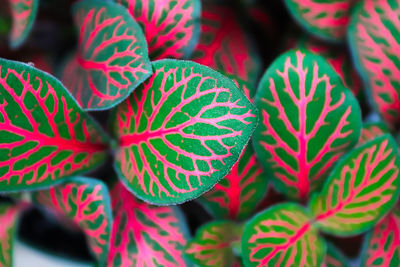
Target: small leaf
372,130
237,195
180,132
224,46
282,236
171,26
334,258
325,19
9,214
361,189
145,235
23,14
308,121
383,243
86,202
214,244
44,134
375,41
111,60
339,59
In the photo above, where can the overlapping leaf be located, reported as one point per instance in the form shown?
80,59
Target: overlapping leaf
171,26
339,59
44,135
111,60
325,19
214,245
9,214
85,201
308,120
374,36
225,47
145,235
237,195
362,188
282,236
23,15
180,132
371,130
383,243
334,258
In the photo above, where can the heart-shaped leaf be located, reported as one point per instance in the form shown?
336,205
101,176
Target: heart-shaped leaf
372,130
44,134
86,202
9,214
282,236
374,39
111,60
145,235
325,19
180,132
237,195
339,59
361,189
383,243
225,47
171,26
308,120
334,258
23,14
214,245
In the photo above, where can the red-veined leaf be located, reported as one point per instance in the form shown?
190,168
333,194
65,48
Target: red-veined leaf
383,243
180,132
334,258
214,245
282,236
23,15
371,130
111,60
87,203
325,19
9,214
44,134
171,27
361,189
237,195
339,59
308,120
225,47
144,235
374,38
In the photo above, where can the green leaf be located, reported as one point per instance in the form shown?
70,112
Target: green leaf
214,245
361,189
9,214
283,235
111,60
44,135
180,132
334,258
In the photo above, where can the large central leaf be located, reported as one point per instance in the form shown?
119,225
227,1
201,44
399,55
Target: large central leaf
44,135
308,120
362,188
180,132
282,236
111,60
86,202
171,26
144,235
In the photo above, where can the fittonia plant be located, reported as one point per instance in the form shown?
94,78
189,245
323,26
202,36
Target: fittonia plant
192,135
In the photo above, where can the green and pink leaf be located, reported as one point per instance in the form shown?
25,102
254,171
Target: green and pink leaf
180,132
44,134
9,214
371,130
362,188
144,235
